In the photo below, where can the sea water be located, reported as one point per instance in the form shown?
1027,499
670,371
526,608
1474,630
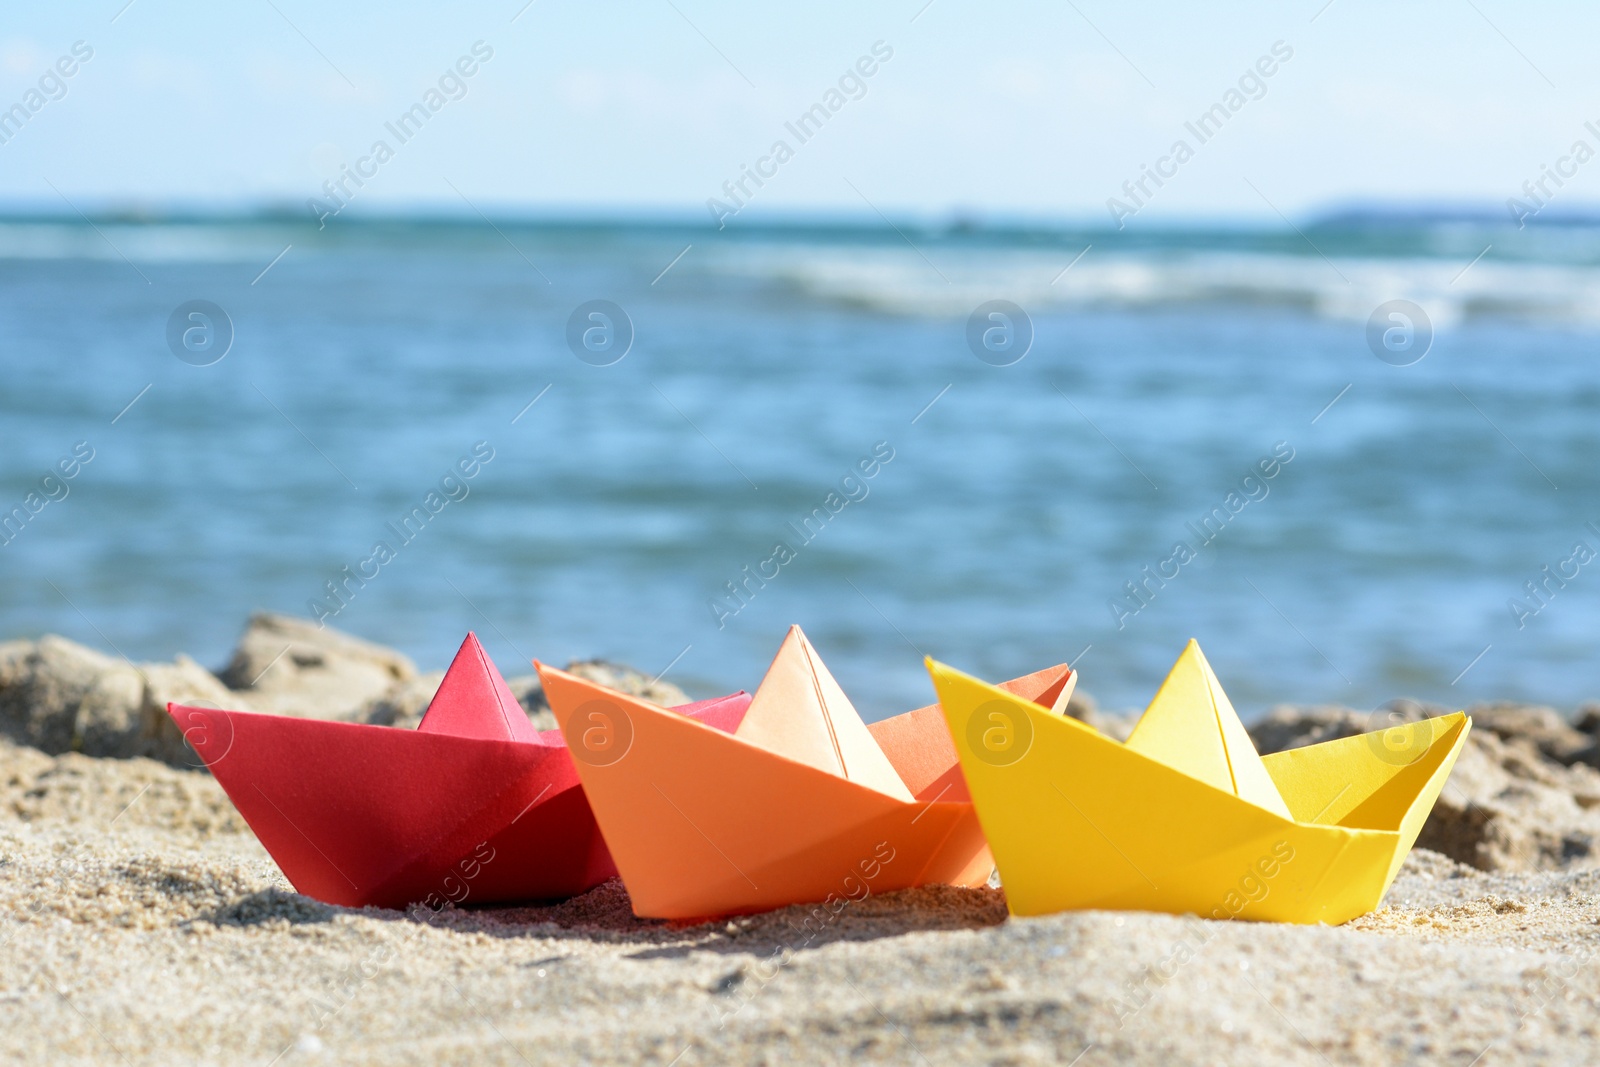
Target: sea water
1101,499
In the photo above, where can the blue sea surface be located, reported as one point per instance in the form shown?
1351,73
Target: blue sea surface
1381,560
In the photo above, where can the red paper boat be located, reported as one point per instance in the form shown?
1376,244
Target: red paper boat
473,805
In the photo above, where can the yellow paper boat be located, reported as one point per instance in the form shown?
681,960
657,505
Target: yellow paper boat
1185,817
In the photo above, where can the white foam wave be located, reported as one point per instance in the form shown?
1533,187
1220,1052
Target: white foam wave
141,243
947,283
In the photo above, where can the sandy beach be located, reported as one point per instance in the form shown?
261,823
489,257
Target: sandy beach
143,923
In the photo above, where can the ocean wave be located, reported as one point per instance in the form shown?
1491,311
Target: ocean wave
944,283
1550,277
142,242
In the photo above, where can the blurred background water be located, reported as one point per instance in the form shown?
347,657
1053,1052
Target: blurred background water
373,355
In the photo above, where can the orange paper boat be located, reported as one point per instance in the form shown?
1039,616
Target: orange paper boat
801,802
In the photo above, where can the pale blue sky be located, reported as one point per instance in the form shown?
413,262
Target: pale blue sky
997,108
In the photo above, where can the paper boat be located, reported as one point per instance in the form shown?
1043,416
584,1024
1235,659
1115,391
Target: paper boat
473,805
802,802
1185,817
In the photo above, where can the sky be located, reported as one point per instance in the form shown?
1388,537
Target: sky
1002,109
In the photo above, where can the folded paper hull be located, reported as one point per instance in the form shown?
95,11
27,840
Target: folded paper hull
733,830
361,815
705,824
1077,820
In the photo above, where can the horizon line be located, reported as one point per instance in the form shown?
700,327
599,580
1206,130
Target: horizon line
1349,214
